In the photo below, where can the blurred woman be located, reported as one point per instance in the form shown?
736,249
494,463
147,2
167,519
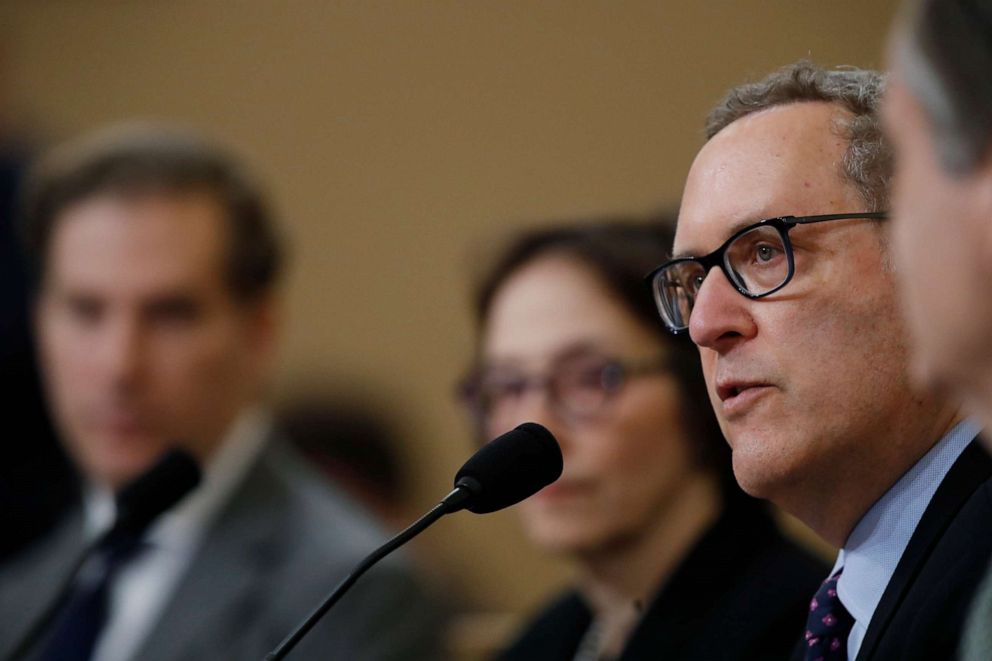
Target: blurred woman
672,559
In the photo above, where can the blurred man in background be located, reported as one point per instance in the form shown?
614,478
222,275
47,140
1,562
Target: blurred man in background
782,278
938,111
157,263
355,446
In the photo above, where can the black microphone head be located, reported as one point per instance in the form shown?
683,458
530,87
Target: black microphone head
510,468
156,490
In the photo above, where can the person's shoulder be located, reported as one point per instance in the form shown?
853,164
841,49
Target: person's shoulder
966,539
790,564
959,512
324,535
30,579
925,604
747,589
58,547
768,553
552,633
323,517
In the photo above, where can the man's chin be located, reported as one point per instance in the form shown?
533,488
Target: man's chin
116,470
756,476
751,485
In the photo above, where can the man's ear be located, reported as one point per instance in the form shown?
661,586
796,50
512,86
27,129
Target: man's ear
263,323
982,213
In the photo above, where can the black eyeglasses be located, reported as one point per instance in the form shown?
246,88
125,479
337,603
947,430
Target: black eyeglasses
757,260
578,387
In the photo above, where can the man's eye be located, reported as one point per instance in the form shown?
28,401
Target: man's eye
696,282
765,253
84,309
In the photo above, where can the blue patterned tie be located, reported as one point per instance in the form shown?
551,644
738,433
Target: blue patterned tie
78,624
828,624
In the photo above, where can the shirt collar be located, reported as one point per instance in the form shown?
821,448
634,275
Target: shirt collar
184,523
877,543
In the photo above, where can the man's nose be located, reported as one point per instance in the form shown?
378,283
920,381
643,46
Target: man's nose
721,315
121,350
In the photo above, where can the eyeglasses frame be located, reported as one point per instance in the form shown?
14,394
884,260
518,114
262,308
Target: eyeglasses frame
783,224
627,367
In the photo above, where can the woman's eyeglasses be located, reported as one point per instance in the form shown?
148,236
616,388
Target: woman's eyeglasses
577,388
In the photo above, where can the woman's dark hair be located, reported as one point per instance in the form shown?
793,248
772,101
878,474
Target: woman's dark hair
621,251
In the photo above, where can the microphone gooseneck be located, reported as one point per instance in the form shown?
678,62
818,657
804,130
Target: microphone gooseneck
502,473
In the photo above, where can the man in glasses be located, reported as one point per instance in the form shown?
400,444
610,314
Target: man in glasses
782,277
938,112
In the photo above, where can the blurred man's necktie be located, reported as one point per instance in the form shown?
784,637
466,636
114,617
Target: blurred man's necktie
78,625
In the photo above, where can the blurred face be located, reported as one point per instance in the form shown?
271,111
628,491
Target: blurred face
809,384
623,463
942,240
142,344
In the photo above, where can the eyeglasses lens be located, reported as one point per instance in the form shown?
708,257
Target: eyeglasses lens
757,260
675,292
577,388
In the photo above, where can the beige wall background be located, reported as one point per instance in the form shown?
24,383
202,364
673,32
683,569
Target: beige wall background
400,140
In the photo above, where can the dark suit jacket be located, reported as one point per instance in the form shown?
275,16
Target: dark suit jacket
923,608
283,541
741,593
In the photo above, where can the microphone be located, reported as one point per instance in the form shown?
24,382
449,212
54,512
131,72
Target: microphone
139,503
163,485
503,472
512,467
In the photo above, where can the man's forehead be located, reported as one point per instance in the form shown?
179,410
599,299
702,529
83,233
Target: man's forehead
694,239
112,241
782,161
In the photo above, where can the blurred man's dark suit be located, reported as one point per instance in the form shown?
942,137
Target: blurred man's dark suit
277,547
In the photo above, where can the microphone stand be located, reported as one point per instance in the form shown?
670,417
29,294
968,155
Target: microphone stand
451,503
528,454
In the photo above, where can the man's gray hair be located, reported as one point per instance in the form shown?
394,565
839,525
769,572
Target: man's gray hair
867,162
945,54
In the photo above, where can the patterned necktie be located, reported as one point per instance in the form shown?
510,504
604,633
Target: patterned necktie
828,624
78,624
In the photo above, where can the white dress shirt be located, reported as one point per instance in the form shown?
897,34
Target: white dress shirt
875,546
141,588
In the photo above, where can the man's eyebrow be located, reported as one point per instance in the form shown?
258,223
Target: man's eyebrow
732,230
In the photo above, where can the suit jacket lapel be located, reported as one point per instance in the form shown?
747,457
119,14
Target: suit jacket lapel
227,575
30,585
971,469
